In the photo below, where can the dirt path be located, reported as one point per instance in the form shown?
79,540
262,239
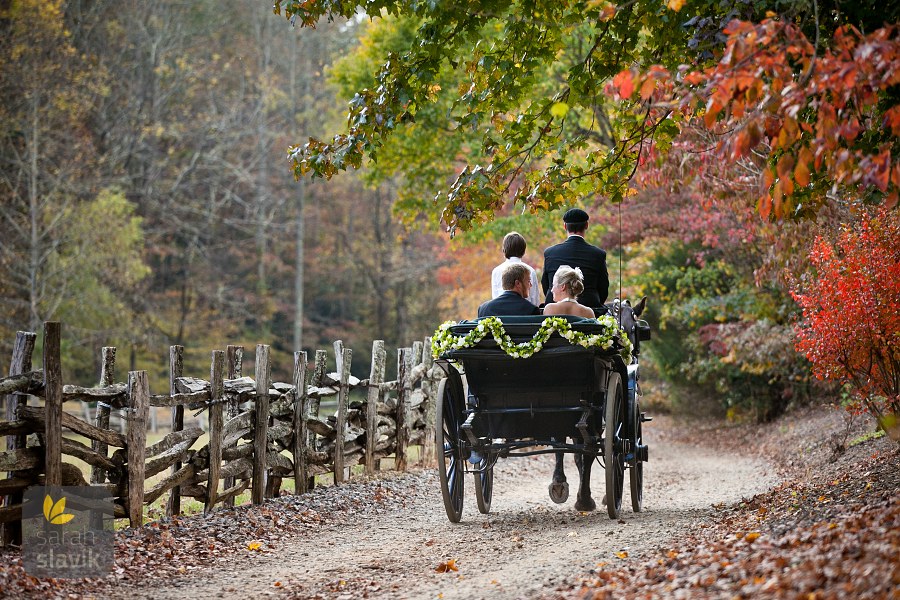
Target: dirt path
527,547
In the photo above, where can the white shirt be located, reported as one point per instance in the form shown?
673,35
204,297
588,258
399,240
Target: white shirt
497,285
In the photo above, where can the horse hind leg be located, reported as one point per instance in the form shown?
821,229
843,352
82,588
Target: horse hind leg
559,489
584,502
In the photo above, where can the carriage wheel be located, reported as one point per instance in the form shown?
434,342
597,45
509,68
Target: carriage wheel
636,472
612,445
451,466
484,486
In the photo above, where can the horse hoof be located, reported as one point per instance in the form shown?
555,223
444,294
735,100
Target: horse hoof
585,505
559,491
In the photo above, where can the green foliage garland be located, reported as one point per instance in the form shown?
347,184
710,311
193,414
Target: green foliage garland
445,340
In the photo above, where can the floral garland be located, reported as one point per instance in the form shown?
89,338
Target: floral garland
445,340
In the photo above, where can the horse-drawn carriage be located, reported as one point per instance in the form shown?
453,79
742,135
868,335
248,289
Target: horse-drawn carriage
519,386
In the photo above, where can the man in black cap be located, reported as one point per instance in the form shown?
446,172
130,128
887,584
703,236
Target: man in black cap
576,252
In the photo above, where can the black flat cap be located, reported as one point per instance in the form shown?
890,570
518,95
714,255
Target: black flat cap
575,215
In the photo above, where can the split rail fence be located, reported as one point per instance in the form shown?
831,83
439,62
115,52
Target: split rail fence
259,431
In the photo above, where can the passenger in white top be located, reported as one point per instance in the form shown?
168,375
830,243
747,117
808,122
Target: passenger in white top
514,249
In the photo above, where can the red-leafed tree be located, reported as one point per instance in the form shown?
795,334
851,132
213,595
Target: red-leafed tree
851,309
822,113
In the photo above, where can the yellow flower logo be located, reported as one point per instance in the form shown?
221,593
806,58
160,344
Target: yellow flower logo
55,512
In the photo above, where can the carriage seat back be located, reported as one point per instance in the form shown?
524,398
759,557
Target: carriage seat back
532,319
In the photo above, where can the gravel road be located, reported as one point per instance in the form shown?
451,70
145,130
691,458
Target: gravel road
527,547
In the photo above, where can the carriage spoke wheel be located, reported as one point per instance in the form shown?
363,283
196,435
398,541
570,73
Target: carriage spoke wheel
484,485
613,454
451,466
636,471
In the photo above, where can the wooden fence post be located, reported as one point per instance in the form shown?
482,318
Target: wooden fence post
414,362
318,380
101,420
376,378
404,366
52,404
261,425
216,426
136,439
299,422
234,359
176,368
340,426
20,363
428,387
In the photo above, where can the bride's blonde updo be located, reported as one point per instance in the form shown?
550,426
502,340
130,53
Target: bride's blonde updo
571,279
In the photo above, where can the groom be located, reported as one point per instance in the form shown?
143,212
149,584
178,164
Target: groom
516,282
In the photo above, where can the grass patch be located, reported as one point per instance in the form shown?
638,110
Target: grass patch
866,437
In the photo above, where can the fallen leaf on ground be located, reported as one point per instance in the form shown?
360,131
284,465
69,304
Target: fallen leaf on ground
446,567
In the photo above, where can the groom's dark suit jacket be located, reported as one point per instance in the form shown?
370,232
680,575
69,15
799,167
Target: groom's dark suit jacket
576,252
508,303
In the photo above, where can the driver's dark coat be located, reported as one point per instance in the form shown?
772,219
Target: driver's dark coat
576,252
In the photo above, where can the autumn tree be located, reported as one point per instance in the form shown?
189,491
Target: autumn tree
821,113
851,309
70,248
519,82
203,98
531,91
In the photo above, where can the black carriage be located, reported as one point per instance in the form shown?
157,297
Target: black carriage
564,398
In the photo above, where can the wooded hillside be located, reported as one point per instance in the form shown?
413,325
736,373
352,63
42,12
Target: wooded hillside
145,197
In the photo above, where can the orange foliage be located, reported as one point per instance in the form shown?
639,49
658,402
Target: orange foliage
814,105
468,280
821,112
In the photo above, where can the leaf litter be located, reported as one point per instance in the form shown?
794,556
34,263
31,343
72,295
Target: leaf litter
831,529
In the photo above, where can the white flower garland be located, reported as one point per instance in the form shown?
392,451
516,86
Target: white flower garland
445,340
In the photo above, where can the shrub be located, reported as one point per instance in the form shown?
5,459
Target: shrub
719,333
752,365
850,330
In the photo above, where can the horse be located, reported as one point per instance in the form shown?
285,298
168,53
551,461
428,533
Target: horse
627,317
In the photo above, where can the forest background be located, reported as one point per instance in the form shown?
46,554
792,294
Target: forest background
147,198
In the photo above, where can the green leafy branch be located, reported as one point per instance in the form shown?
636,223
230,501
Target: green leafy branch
537,146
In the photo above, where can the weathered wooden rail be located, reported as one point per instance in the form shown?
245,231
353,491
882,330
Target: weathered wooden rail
259,431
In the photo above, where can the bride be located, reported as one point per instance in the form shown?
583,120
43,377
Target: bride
568,283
